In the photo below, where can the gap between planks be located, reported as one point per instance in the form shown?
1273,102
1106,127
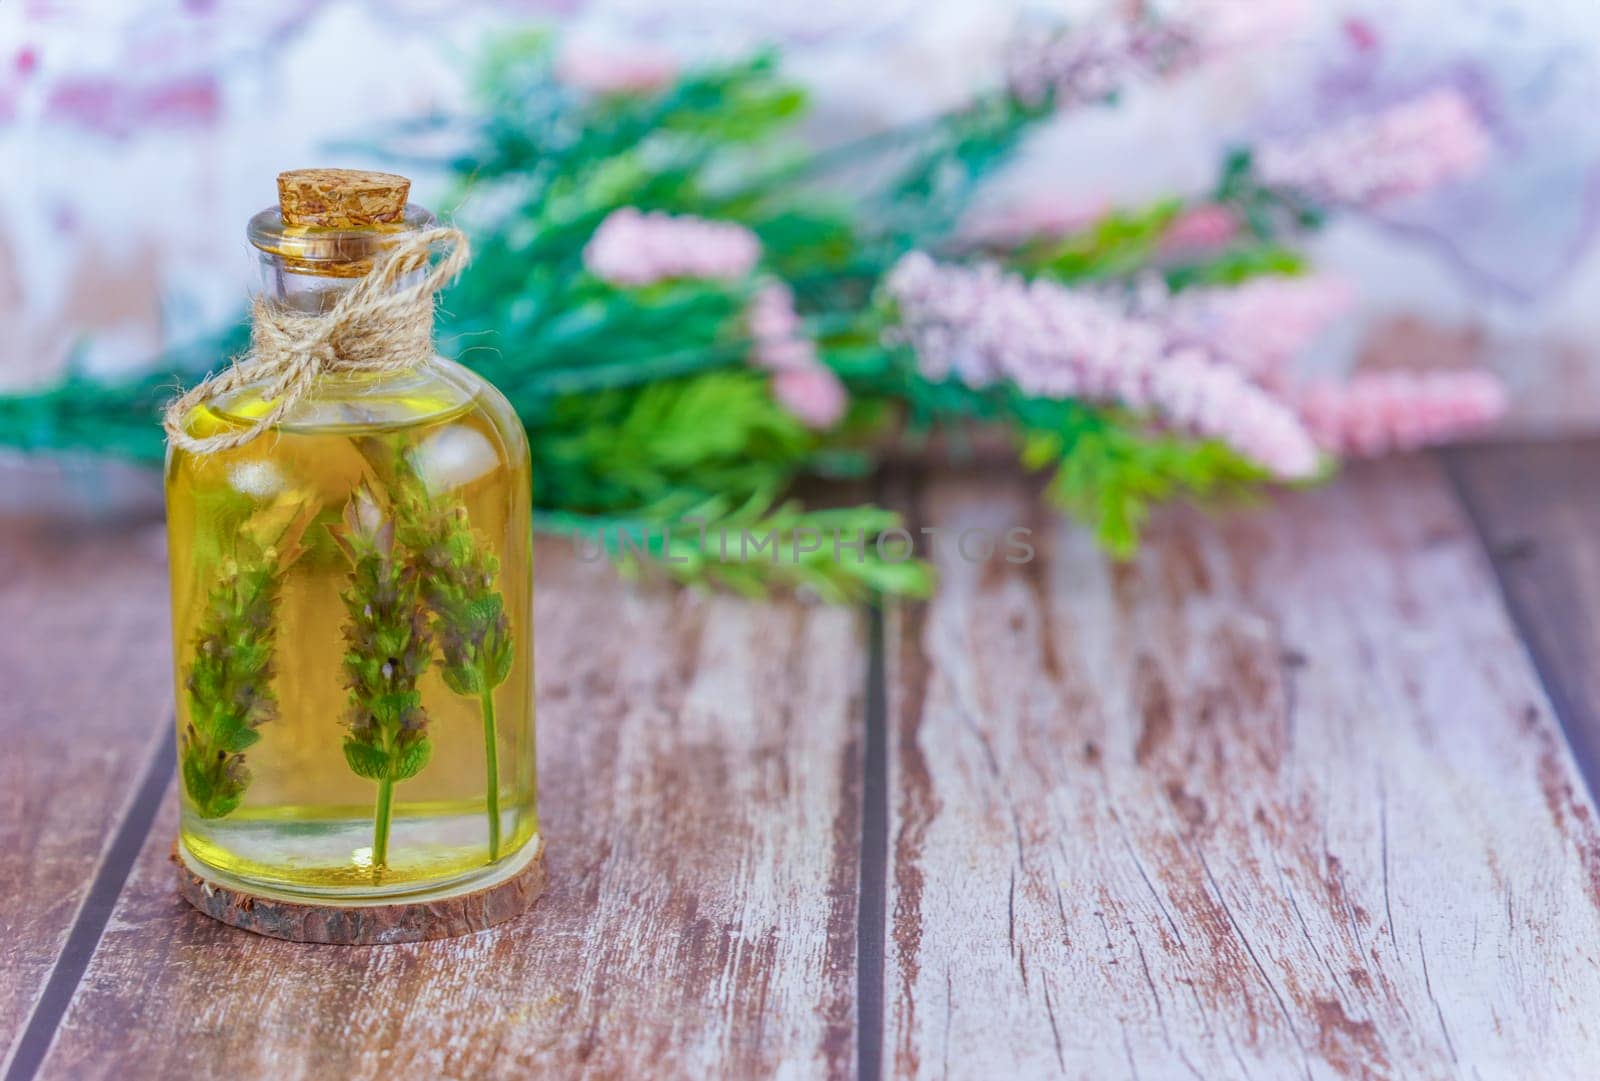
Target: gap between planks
138,815
1520,502
873,891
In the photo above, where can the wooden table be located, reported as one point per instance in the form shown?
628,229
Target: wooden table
1298,793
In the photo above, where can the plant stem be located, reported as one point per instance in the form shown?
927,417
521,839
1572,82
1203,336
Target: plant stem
826,160
380,827
491,752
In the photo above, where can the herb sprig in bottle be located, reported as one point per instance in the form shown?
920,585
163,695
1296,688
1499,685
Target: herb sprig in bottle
387,650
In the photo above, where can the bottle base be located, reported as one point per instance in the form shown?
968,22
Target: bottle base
319,852
505,891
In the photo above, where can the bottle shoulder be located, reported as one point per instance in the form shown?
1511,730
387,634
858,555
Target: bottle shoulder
487,397
454,428
426,395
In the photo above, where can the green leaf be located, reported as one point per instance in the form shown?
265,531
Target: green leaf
238,739
1110,475
1119,244
498,664
219,804
365,760
411,759
464,679
1238,265
485,611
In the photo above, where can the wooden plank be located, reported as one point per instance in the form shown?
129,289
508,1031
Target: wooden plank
1537,506
85,696
1282,798
701,794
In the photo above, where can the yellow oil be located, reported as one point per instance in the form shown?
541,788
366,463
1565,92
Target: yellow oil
304,820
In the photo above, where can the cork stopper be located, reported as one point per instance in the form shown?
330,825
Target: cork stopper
342,198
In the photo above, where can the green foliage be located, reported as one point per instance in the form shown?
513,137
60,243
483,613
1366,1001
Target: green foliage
1108,469
924,200
1269,212
671,443
1119,244
1238,265
88,416
119,418
536,130
1110,475
1124,243
752,549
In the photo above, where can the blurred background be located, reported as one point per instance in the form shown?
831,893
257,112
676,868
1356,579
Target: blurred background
139,135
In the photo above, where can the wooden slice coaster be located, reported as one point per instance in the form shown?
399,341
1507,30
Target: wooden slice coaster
477,905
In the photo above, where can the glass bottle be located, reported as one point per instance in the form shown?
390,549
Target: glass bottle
351,598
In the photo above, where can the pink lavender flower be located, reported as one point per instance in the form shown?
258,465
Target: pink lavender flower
984,326
1193,391
1259,326
1380,412
813,395
1373,160
775,326
1200,228
634,248
801,382
615,69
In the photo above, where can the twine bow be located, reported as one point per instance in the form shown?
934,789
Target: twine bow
372,328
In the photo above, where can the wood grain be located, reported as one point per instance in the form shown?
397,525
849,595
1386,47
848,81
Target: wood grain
85,697
1537,506
701,793
1283,798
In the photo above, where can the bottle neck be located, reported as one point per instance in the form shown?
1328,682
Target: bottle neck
286,286
308,268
